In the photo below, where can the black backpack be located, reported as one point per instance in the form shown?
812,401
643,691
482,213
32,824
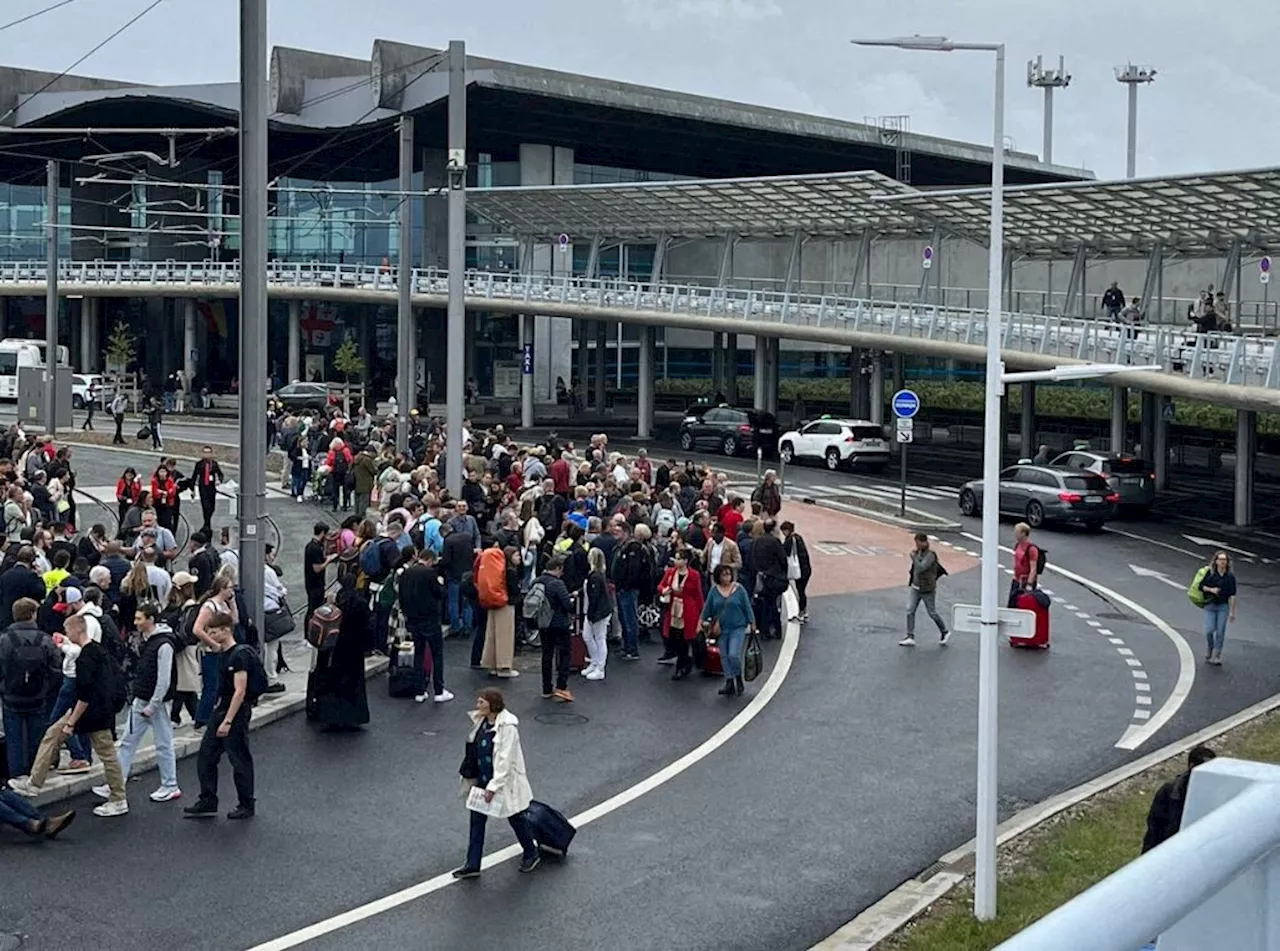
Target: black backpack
26,676
1042,556
257,684
115,685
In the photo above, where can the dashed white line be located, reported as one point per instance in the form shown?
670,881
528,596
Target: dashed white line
1124,652
1143,700
1142,714
1142,687
1097,624
1133,662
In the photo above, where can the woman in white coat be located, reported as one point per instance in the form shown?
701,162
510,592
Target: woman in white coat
494,761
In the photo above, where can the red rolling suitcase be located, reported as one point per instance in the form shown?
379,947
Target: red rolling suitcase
707,656
577,646
1028,602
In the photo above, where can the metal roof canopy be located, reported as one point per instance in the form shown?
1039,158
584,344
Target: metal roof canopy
1196,215
829,205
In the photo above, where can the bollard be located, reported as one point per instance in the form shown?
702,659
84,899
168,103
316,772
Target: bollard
782,478
759,463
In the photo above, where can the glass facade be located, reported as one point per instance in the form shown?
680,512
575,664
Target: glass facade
22,217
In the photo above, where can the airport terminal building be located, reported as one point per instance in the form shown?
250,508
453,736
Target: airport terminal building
154,195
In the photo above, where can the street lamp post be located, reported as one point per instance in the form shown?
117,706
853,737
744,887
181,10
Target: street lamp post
984,894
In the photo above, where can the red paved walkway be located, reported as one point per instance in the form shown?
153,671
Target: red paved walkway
851,554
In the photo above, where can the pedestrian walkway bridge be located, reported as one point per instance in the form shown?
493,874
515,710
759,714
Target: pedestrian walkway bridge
1226,369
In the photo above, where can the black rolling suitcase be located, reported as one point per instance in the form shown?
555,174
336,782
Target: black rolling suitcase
404,677
551,830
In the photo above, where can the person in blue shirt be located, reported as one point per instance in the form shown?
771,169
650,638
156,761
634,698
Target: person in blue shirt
729,604
1219,589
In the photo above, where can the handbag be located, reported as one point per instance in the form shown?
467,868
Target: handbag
144,432
753,658
649,616
793,566
713,629
470,768
278,623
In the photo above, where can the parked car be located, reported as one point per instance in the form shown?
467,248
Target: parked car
296,396
730,430
1133,478
1043,494
81,383
836,443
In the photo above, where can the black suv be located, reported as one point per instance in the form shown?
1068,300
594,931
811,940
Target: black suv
730,430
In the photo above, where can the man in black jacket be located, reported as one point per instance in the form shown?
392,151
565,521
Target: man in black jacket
93,716
769,557
1165,818
20,581
205,478
422,601
455,562
30,667
555,635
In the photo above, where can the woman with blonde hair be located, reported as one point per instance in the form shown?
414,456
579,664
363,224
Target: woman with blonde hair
599,610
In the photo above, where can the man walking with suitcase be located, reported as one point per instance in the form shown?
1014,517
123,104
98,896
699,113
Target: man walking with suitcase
1026,563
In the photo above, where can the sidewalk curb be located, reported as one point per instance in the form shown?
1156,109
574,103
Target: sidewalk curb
129,450
910,899
271,708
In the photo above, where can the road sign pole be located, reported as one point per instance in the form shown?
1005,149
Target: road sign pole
902,504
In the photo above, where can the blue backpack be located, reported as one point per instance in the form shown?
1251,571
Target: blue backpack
375,561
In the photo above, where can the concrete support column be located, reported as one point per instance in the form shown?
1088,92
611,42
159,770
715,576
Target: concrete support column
875,404
1028,447
760,398
857,385
584,361
602,363
717,364
95,361
86,341
189,341
526,370
295,341
644,386
773,354
1160,446
899,372
1119,418
1246,447
1149,419
731,368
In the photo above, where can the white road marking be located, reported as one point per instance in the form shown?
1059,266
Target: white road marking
1124,652
1136,736
1141,687
1142,714
1133,662
1153,541
722,736
1144,701
1139,674
1119,642
1105,631
1094,623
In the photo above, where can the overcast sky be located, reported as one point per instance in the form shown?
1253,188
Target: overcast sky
1212,107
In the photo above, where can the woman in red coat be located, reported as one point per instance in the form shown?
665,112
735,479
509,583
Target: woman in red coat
128,489
164,495
680,593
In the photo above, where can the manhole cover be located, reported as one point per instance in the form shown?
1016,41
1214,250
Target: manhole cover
10,942
1114,616
551,719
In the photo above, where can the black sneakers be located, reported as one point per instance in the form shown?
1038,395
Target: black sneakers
464,872
241,812
203,809
528,865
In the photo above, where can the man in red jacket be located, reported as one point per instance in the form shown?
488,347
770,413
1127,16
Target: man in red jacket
560,474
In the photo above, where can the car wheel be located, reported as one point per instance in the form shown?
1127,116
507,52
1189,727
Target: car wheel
833,459
730,446
968,503
1035,514
77,401
786,453
686,441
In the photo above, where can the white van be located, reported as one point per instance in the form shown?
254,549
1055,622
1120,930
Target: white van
17,352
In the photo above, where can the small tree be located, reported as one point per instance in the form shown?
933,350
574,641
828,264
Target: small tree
122,350
347,361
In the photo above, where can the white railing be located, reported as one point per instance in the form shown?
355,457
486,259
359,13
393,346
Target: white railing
1216,884
1231,359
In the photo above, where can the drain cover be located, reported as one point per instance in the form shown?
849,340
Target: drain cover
10,942
551,719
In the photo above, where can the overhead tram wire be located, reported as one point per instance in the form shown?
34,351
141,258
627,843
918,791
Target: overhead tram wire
136,17
32,16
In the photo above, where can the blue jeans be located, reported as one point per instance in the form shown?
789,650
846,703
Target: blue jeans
22,746
733,642
298,479
459,610
475,843
1215,625
162,727
77,744
210,671
16,811
628,606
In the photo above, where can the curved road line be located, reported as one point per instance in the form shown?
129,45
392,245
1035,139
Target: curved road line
1136,735
722,736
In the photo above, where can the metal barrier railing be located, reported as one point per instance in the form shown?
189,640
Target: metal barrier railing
1229,358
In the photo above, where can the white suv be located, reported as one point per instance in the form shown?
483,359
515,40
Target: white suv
837,443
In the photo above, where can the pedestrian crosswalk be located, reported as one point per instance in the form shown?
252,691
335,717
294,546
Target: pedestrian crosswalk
878,490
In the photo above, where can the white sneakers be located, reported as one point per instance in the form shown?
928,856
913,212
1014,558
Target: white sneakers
593,673
22,786
443,697
422,698
111,809
163,794
907,641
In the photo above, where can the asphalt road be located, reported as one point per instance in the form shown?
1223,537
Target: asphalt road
856,776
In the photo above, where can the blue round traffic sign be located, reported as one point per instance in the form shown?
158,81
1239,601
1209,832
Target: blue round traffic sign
905,404
1265,264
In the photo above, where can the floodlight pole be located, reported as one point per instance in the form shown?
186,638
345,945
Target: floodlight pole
52,209
1133,77
1047,79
